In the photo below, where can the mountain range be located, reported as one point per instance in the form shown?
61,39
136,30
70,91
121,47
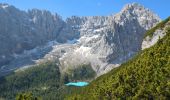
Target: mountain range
122,56
104,42
145,76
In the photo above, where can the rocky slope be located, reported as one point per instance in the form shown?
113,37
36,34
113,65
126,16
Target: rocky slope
102,41
107,41
21,30
145,76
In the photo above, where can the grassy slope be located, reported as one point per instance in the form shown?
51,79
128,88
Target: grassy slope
145,76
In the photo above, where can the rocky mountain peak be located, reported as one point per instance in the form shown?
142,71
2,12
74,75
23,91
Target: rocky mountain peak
107,41
103,41
8,8
132,6
135,11
4,5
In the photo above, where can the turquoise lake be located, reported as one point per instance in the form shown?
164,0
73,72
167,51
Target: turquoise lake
77,84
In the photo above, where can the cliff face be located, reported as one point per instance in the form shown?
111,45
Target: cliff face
21,30
103,41
139,78
107,41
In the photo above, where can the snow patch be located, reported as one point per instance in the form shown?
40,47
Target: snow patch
98,30
85,51
85,39
34,19
5,6
64,55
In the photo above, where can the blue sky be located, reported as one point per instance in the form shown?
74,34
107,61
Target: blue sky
67,8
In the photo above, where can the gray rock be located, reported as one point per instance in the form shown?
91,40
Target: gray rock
108,41
20,30
103,41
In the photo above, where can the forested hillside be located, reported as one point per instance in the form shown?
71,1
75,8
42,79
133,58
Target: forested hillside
38,79
146,76
43,81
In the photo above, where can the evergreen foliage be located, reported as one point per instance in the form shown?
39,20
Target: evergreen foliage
82,72
27,96
38,80
146,76
44,80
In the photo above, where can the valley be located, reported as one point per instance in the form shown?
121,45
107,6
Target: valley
119,56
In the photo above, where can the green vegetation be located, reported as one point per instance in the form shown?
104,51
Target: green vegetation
27,96
82,72
158,26
146,76
44,80
39,80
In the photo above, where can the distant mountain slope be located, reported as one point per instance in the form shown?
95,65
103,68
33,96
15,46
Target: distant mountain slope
146,76
21,30
102,40
105,42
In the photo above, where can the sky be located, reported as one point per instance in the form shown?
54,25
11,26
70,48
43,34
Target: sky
67,8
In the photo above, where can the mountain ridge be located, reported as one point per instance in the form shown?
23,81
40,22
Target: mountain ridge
95,45
145,76
99,40
101,37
